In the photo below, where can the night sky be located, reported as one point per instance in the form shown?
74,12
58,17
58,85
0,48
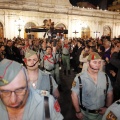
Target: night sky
94,2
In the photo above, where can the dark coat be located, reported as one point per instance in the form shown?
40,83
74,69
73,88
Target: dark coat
115,60
78,53
9,53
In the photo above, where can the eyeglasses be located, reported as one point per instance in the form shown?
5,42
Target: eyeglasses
18,92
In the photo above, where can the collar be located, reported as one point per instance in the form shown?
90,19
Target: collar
107,49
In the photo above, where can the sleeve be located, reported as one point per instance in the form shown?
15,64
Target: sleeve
55,111
75,85
110,86
114,60
112,113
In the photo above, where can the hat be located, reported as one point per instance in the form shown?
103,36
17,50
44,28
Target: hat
93,56
8,71
29,53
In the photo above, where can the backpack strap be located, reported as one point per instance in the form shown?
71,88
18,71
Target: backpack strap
80,88
107,85
43,58
51,85
47,110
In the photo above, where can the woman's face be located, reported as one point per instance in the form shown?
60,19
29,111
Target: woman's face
2,48
86,49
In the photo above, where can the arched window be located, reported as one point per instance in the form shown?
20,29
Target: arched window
1,31
85,32
60,26
106,31
31,35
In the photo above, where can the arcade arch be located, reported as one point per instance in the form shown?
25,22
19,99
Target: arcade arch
85,32
106,31
30,35
1,31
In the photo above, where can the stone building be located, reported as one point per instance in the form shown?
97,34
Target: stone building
16,15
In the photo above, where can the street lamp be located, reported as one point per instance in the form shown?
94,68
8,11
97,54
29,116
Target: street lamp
19,23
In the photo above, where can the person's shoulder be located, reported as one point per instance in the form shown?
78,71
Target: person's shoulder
102,73
117,103
113,111
80,75
43,73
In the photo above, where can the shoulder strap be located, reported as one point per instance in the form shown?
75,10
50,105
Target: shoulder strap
107,85
54,58
80,88
43,58
51,85
47,110
39,54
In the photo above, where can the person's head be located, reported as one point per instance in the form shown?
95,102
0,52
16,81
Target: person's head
79,43
66,41
49,44
48,50
94,61
26,42
2,47
9,43
107,44
87,49
118,45
13,84
44,45
93,49
31,60
101,49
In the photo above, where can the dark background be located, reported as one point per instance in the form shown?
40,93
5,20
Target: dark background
102,3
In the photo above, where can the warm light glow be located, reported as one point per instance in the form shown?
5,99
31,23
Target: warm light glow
83,25
19,23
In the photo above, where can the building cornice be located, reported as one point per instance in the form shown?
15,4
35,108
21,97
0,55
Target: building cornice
60,9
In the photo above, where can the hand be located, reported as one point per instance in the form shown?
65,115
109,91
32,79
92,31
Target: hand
116,49
56,93
107,59
112,73
79,116
103,110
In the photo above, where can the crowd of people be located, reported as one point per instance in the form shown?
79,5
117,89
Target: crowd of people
95,89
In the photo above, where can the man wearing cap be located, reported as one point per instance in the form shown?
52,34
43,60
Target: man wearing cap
37,78
41,53
91,91
66,56
18,101
49,61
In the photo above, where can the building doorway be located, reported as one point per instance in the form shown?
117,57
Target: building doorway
1,31
106,31
85,32
30,35
61,26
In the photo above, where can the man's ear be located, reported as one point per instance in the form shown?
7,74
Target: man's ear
25,60
39,63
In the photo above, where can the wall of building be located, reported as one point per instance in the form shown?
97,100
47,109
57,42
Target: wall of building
74,18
